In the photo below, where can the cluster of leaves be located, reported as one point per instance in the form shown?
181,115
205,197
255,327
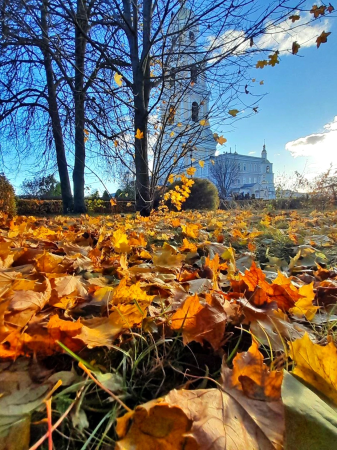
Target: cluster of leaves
203,194
180,191
153,290
7,196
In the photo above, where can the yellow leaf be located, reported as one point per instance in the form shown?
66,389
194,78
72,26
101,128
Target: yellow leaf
113,202
118,79
204,122
322,38
172,134
304,306
115,143
261,82
221,140
201,163
213,162
120,241
129,204
171,178
86,132
233,112
316,365
179,124
253,80
191,230
139,134
191,171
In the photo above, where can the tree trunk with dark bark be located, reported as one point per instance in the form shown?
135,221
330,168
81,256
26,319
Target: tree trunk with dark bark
81,30
67,198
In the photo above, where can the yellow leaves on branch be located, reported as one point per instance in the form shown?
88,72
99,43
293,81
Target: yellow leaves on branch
219,139
316,365
191,171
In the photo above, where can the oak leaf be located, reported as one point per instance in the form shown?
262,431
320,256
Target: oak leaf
318,10
261,64
233,112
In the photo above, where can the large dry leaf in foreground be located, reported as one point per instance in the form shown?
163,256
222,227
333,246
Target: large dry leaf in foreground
155,426
200,322
310,423
316,365
221,422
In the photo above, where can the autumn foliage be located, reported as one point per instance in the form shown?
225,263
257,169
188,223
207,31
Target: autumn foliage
157,295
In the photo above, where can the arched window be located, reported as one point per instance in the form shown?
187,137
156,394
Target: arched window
195,112
244,167
172,77
172,112
268,169
239,165
192,36
194,74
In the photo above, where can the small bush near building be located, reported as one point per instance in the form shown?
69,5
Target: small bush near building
7,196
204,195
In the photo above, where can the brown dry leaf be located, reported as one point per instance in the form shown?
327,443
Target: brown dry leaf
200,321
98,332
316,365
155,426
253,377
69,285
7,280
50,263
221,422
35,301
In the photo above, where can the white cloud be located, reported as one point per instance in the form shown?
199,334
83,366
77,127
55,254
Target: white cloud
277,37
251,153
320,148
282,36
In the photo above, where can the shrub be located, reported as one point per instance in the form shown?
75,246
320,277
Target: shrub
34,207
204,195
7,196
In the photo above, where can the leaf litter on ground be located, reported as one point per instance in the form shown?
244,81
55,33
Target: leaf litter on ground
152,308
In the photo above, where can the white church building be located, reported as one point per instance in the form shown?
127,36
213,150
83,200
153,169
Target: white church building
188,134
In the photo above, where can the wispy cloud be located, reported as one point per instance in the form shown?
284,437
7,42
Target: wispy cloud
251,153
320,148
277,37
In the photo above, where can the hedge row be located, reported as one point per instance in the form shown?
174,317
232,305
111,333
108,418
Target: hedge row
42,207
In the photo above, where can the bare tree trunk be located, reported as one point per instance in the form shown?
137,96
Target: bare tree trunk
67,198
81,30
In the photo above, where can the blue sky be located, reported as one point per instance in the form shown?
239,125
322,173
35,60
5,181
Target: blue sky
301,100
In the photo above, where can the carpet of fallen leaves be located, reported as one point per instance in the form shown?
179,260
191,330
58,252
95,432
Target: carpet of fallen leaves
178,331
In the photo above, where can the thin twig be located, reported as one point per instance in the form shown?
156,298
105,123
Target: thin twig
56,425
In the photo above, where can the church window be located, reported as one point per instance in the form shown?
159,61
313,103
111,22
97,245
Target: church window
244,167
268,169
250,180
255,180
195,112
244,180
172,78
171,114
194,74
255,168
192,37
239,165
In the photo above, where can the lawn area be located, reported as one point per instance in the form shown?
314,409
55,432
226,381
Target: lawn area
182,330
